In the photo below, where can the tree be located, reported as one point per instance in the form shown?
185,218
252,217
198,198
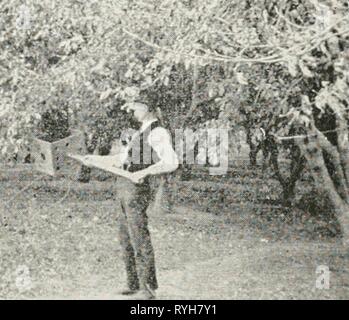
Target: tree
237,62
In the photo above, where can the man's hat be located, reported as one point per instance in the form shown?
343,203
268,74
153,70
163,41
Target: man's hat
131,106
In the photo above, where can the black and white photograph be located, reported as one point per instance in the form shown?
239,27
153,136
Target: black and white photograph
187,150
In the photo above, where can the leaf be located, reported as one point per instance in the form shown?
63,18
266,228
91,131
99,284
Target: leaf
292,66
104,95
265,16
211,92
187,64
166,81
177,59
148,80
129,73
324,49
221,90
241,78
131,91
333,45
305,70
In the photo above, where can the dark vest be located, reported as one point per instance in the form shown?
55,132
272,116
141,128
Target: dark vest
141,155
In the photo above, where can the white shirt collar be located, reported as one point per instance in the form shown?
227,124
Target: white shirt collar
147,123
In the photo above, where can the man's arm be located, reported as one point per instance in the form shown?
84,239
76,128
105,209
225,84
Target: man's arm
105,161
160,141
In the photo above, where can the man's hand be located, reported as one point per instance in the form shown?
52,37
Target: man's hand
137,177
91,161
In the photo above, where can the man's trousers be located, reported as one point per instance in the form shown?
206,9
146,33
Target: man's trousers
134,236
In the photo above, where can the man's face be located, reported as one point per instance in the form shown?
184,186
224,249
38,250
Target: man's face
139,114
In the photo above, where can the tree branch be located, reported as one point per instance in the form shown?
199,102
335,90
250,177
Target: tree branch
267,60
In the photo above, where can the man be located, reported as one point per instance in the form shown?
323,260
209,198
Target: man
150,155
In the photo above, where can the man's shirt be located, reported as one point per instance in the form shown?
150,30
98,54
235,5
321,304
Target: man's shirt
160,141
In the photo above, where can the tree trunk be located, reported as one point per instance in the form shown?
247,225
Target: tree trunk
338,176
194,93
343,147
311,148
84,174
288,184
253,149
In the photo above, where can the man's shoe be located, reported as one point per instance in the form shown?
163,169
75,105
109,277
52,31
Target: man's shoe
128,291
143,294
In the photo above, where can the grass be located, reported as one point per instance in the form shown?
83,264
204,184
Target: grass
64,232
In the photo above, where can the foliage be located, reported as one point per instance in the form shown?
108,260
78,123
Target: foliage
276,65
101,50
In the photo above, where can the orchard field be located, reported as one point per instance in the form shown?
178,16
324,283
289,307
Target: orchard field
59,241
271,74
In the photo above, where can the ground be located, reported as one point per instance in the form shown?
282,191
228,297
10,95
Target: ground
58,241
